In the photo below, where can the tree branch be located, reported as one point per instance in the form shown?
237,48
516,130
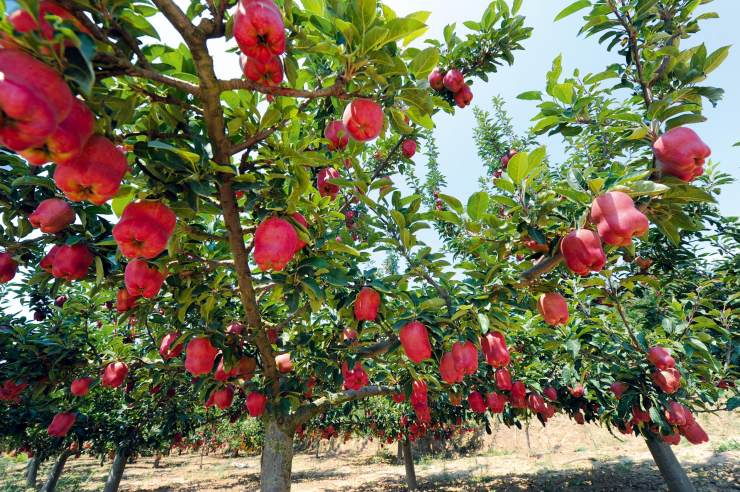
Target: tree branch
309,410
379,348
547,264
336,90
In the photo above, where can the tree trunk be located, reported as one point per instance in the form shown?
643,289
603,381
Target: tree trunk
408,460
277,458
55,473
671,470
116,470
399,453
32,469
157,458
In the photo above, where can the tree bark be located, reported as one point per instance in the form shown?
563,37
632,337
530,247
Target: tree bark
277,457
399,453
408,461
671,470
116,470
55,473
32,469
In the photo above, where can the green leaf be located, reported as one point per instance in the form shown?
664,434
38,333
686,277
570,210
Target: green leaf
478,205
122,198
716,58
432,304
530,96
453,202
505,184
99,271
485,324
546,123
424,62
563,92
572,9
518,167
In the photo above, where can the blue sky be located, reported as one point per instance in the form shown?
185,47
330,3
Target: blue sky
458,158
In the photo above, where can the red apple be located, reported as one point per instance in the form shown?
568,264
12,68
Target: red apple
142,280
507,157
553,308
464,96
235,328
582,251
494,348
96,175
536,403
466,357
577,391
8,268
408,148
415,341
660,357
324,186
503,379
61,424
449,371
144,229
199,356
269,73
52,215
677,414
283,363
10,391
454,80
475,401
125,301
65,144
518,395
275,244
222,398
259,29
551,393
436,79
256,403
618,388
27,120
24,22
495,402
356,378
336,133
363,119
71,262
668,380
694,433
367,304
166,350
81,386
114,375
617,219
419,394
681,153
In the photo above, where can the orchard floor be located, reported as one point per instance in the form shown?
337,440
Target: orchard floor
562,457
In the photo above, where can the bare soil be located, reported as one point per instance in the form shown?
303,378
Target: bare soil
564,456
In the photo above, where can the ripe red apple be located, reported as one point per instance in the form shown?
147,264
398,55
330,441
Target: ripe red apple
142,280
337,135
550,393
259,29
27,120
419,394
694,433
618,388
415,341
398,397
367,304
283,363
466,357
144,229
553,308
507,157
166,350
436,79
518,395
454,80
476,403
660,357
495,402
125,301
536,403
24,22
363,119
672,439
40,80
449,370
222,374
221,398
356,378
494,348
8,267
577,391
269,73
199,356
10,391
275,244
681,153
96,175
66,142
114,374
61,424
60,301
503,379
81,386
324,186
256,402
235,328
582,251
70,262
408,148
677,414
668,380
464,96
617,219
52,215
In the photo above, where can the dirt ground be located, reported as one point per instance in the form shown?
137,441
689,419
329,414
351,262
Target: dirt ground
562,457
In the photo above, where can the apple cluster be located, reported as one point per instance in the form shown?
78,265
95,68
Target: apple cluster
453,81
259,31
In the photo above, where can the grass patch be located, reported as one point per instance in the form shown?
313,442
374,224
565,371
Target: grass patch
730,445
